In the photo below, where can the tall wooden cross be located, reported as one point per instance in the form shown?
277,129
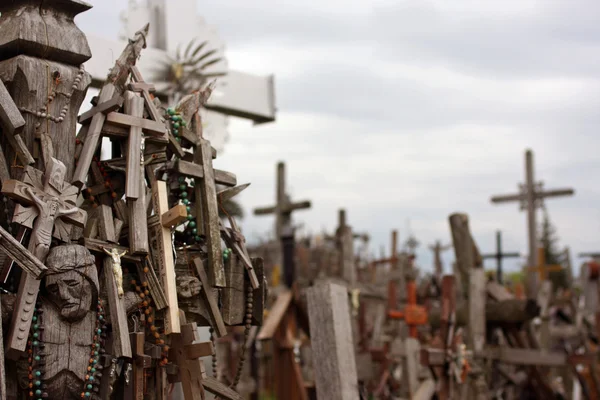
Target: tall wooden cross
499,255
541,268
283,207
531,197
47,206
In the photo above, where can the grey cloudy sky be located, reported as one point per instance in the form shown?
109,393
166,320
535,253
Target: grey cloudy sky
402,110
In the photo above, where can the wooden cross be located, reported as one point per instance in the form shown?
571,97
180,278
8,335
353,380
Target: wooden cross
12,125
283,207
541,268
141,361
531,197
90,135
499,255
51,213
437,249
166,264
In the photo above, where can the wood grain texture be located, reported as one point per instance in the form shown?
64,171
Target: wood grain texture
118,312
166,266
20,255
276,314
210,302
331,339
210,214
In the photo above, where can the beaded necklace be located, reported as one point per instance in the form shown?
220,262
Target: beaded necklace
36,362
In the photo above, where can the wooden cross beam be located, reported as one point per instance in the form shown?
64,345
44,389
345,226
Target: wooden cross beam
283,207
19,254
12,124
141,362
531,197
164,254
541,268
139,86
499,255
51,213
90,137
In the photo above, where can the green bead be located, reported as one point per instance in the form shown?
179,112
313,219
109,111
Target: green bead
38,392
170,111
183,123
95,362
38,373
186,201
193,224
175,132
38,383
188,208
194,231
181,179
34,319
99,331
89,387
190,217
183,195
178,138
198,238
95,353
91,379
176,125
36,327
100,317
36,343
183,186
93,370
87,394
37,358
36,335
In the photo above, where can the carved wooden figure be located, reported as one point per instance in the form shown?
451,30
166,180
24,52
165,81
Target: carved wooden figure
52,210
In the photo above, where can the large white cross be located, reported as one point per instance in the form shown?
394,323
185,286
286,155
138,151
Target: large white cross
236,94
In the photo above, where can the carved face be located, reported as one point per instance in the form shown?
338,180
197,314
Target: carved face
71,293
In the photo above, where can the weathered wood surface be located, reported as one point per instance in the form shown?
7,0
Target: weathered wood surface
118,311
276,313
233,295
345,244
115,84
331,339
216,319
19,254
210,213
166,266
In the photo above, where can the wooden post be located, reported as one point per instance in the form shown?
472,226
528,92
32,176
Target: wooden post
166,265
499,255
331,338
345,244
531,197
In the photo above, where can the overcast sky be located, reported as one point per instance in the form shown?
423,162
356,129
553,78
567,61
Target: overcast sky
411,110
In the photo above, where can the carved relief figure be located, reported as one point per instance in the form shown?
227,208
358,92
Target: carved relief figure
117,270
68,329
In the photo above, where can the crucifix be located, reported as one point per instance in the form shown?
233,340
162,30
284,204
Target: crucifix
499,255
51,213
531,196
283,209
541,268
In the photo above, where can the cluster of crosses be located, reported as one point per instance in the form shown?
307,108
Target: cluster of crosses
96,240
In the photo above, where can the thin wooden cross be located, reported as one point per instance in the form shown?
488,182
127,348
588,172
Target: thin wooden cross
541,268
283,207
437,249
413,314
531,196
499,255
51,213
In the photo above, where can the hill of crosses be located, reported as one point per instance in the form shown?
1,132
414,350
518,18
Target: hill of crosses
109,264
112,258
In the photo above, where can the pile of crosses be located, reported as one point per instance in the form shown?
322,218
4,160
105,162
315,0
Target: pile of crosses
465,335
109,264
